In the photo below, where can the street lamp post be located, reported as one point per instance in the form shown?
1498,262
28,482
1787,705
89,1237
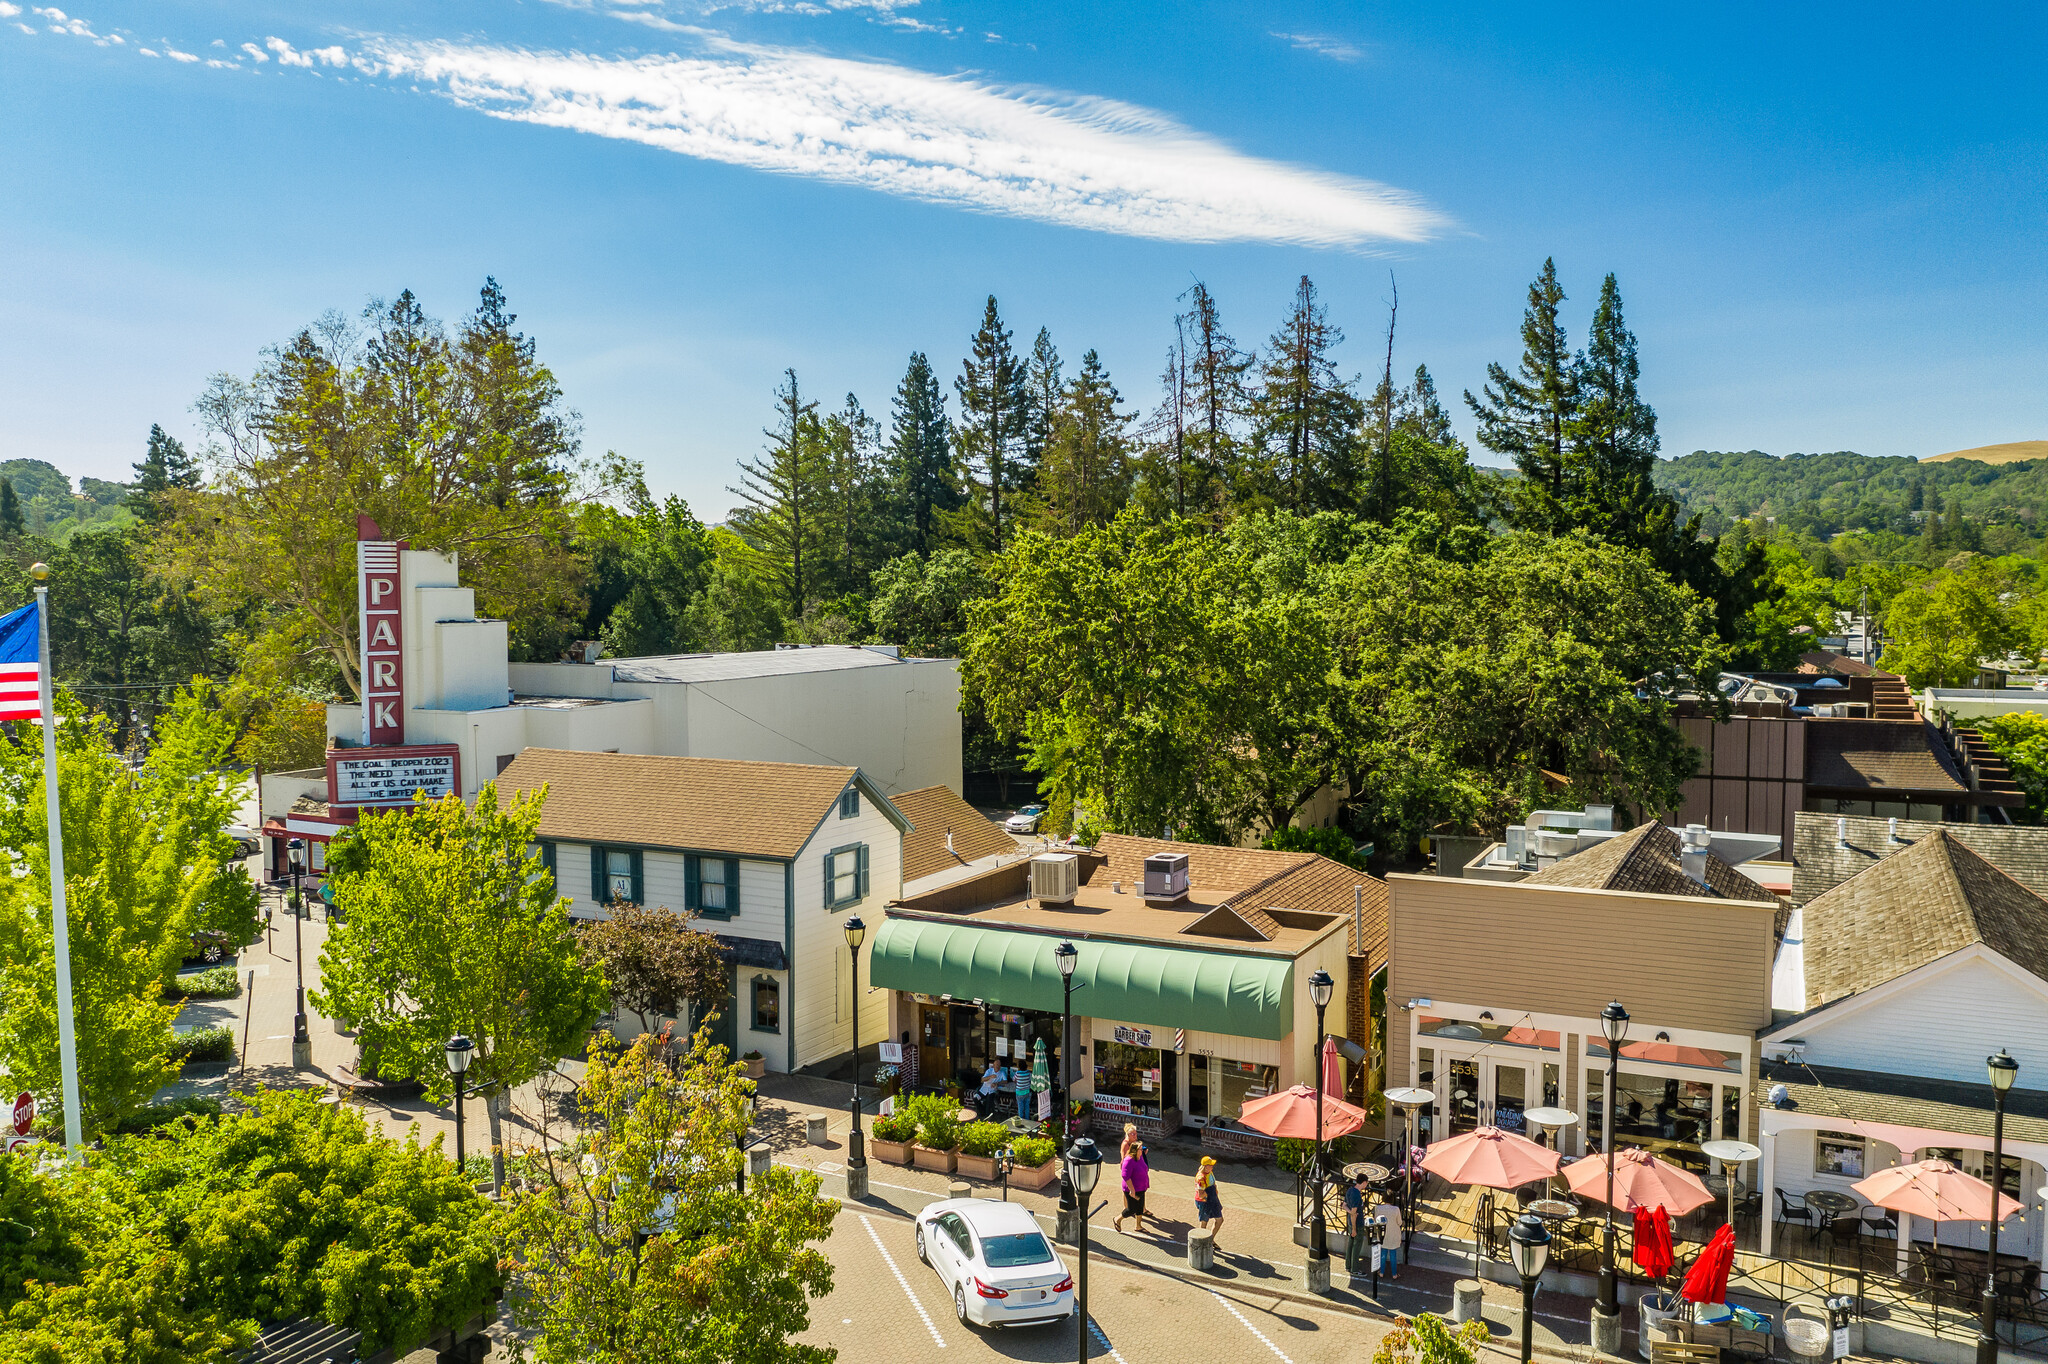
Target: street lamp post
1065,957
1529,1244
1084,1167
302,1038
1614,1024
856,1153
460,1052
2003,1070
1320,987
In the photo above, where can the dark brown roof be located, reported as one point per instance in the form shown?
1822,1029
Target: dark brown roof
1821,862
1646,860
1903,1100
1257,882
1914,907
1889,759
699,804
1827,661
936,811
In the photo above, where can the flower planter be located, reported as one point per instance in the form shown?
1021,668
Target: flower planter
1035,1176
891,1152
755,1068
980,1167
941,1162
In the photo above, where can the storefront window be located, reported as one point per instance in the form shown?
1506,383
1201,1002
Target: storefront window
1425,1076
1667,1054
1653,1109
1838,1153
1485,1030
1237,1082
1133,1079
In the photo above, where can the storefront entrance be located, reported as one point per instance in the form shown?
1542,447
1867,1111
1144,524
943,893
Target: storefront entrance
1484,1075
958,1044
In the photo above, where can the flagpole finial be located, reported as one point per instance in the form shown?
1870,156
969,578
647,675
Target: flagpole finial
40,572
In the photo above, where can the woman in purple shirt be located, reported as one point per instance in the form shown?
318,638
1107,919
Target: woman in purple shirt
1137,1178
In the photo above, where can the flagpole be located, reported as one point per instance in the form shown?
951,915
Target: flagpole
67,1046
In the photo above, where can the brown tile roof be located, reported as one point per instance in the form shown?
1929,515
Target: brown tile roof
1827,661
751,809
1903,1100
1259,879
935,811
1903,911
1645,860
1821,862
1881,758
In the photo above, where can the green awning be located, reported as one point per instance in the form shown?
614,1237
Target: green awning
1165,987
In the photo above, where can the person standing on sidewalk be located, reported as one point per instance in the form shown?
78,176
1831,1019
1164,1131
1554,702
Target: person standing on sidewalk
1208,1200
1137,1178
1354,1224
1390,1248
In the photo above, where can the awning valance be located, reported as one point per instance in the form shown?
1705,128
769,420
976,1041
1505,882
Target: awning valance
1169,987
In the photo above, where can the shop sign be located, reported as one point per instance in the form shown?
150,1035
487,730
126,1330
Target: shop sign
1134,1037
391,776
1113,1103
1044,1106
892,1053
382,631
1146,1077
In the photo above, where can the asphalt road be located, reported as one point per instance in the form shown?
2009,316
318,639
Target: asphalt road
887,1308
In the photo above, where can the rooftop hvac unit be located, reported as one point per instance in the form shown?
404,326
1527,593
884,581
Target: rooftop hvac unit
1055,878
1166,876
1549,844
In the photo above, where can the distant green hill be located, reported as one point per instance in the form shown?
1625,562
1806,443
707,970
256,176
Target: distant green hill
1824,494
50,507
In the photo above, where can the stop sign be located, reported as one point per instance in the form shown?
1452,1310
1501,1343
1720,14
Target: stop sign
24,1113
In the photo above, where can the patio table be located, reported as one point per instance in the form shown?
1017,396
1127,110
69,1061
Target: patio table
1374,1174
1830,1204
1552,1209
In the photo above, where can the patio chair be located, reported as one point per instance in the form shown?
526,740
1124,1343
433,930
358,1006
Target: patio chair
1789,1211
1880,1221
2019,1292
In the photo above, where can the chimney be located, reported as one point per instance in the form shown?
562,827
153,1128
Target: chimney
1692,857
1358,918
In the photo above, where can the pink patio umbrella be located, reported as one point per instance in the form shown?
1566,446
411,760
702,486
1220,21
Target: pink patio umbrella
1673,1054
1640,1181
1935,1190
1292,1114
1333,1069
1492,1159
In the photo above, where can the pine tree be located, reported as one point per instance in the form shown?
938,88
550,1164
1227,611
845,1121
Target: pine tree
1043,397
921,456
1169,426
990,436
1528,416
785,493
1417,410
11,520
1216,370
164,466
1086,477
1614,437
1306,417
852,450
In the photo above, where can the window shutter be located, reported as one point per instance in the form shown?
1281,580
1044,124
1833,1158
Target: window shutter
829,902
732,886
639,887
863,871
598,890
692,896
547,857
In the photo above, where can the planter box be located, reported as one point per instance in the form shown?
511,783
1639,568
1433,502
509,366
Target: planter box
979,1167
941,1162
1035,1176
755,1068
891,1152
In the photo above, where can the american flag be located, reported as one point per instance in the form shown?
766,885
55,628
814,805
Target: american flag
20,667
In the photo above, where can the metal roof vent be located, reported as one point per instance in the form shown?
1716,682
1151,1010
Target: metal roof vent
1692,857
1055,878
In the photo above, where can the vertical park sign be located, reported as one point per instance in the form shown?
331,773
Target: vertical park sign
382,631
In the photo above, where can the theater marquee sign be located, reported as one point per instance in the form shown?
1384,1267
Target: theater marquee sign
382,630
392,776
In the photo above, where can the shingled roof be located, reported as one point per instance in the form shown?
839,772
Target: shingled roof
1646,860
1883,759
1933,898
1256,880
935,812
748,809
1903,1100
1823,860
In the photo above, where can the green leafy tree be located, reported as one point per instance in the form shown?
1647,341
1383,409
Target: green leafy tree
1305,416
741,606
1084,472
989,437
449,925
146,864
1334,844
923,604
1941,631
661,558
1429,1339
12,523
921,457
634,1247
2021,739
656,965
857,528
165,466
1528,415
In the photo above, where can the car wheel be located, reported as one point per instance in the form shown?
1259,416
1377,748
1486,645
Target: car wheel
923,1255
960,1306
212,954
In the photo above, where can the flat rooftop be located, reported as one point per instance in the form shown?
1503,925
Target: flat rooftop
755,663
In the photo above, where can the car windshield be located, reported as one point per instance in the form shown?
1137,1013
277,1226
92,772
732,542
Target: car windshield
1018,1248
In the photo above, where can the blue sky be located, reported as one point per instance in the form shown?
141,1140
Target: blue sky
1828,222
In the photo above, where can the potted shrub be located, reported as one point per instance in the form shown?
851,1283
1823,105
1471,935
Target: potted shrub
981,1147
938,1133
891,1137
755,1064
1034,1162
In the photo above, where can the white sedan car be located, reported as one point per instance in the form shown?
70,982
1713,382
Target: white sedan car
996,1263
1025,821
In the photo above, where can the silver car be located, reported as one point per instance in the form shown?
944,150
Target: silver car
995,1261
1025,821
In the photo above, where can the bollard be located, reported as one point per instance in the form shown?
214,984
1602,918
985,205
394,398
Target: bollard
1316,1275
959,1188
1201,1249
814,1129
758,1156
1468,1301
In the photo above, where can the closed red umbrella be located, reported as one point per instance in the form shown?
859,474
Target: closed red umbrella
1708,1281
1666,1252
1333,1069
1653,1254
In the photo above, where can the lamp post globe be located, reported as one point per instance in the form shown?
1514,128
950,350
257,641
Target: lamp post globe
1084,1167
1320,988
1614,1026
1529,1244
460,1052
2001,1070
856,1150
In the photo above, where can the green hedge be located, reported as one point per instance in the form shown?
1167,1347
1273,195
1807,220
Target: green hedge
205,1044
215,982
1032,1152
983,1138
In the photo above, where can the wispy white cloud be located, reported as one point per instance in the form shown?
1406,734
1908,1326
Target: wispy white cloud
1074,160
256,54
321,56
57,21
1336,49
8,11
178,56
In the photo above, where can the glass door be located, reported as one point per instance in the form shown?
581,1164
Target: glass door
1461,1094
1510,1096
